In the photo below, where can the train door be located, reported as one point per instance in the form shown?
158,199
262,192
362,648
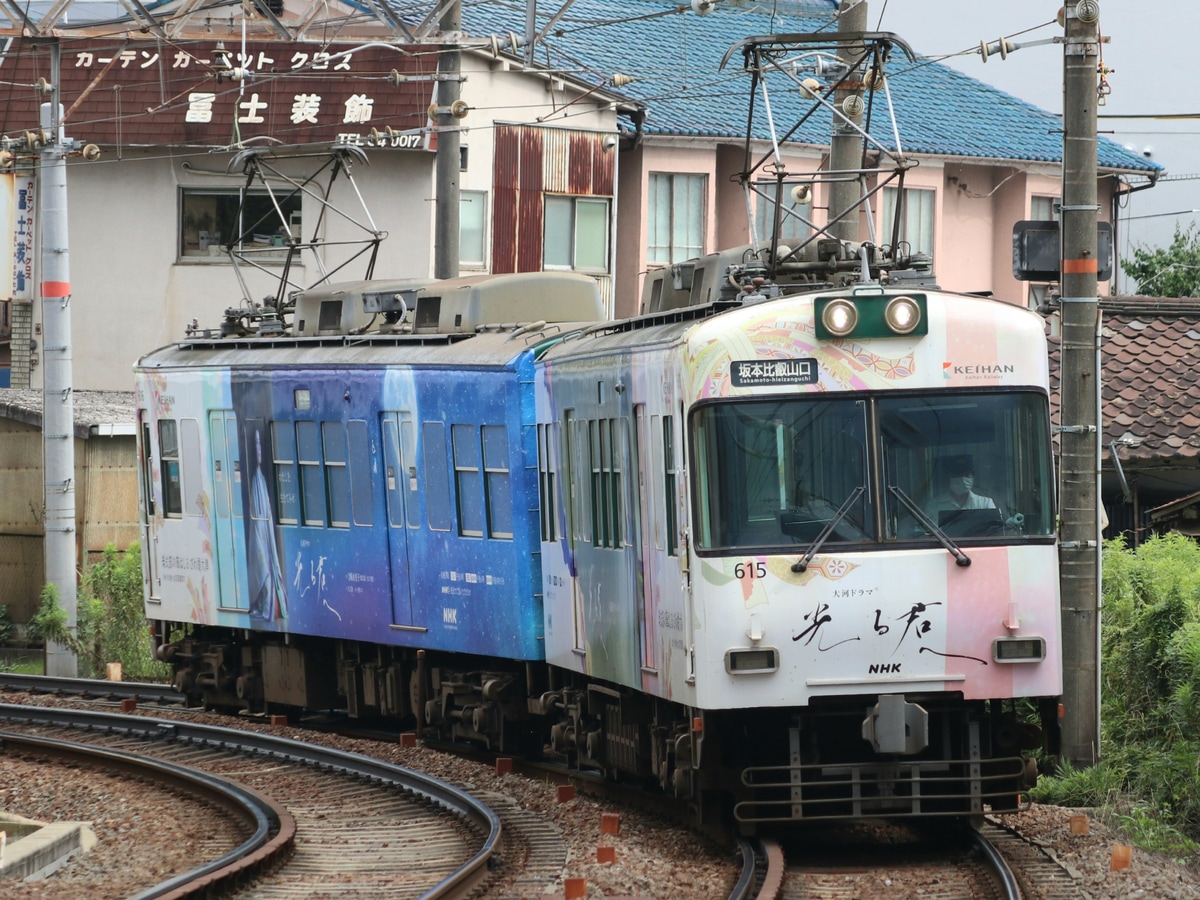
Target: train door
146,514
229,551
400,476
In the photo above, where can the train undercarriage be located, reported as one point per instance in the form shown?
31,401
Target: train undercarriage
840,758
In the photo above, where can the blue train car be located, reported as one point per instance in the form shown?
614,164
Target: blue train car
375,492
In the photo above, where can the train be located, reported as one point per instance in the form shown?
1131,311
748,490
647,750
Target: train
708,548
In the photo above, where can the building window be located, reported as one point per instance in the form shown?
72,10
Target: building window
794,216
212,219
1043,209
676,226
472,229
576,234
916,218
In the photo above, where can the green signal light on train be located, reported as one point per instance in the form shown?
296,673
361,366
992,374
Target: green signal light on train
871,316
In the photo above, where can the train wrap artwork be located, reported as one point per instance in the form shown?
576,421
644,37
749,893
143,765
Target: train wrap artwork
789,556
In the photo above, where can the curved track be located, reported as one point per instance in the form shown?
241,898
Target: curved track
340,825
970,868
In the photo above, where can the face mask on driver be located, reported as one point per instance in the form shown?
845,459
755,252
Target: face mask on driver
962,484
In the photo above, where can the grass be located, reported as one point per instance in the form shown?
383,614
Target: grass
23,664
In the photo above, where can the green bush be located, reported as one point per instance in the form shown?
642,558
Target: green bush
111,625
1148,779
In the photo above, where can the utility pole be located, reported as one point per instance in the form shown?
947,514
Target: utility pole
58,408
449,147
845,147
1080,390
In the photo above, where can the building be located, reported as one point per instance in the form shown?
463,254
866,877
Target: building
184,107
106,507
188,135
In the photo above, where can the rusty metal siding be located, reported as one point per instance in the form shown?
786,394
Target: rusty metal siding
604,168
556,162
529,203
530,162
504,204
579,166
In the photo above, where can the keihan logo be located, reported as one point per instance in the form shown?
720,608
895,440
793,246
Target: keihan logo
949,369
946,367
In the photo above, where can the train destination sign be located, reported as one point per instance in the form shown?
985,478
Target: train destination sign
757,372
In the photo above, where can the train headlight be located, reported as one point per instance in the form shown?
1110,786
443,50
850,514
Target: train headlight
839,317
1019,650
902,314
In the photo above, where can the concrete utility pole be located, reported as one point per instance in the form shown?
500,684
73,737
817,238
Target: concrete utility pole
845,147
58,408
1080,390
445,229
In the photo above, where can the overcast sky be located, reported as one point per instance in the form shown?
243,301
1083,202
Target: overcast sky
1149,50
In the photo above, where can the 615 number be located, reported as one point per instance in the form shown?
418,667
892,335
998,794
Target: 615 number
752,569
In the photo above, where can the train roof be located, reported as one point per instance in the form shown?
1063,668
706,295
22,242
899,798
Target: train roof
708,319
493,349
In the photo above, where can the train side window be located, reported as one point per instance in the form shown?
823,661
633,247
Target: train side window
312,490
467,481
670,488
548,483
189,448
337,479
437,476
147,469
497,483
360,472
287,499
168,454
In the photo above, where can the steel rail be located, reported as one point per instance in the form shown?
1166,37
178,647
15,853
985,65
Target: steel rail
273,828
91,687
432,789
1004,873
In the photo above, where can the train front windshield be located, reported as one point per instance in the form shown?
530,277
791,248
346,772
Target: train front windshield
868,469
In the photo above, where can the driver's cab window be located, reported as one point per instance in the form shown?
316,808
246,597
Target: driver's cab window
775,474
969,466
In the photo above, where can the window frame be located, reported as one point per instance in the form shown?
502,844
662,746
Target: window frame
672,251
466,201
791,228
228,203
576,202
170,469
928,228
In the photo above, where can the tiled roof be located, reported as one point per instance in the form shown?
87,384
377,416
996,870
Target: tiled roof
675,57
1150,360
103,411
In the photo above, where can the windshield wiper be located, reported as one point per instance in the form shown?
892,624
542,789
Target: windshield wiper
801,564
960,558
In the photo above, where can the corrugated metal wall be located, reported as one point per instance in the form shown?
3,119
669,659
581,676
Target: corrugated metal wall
105,508
529,162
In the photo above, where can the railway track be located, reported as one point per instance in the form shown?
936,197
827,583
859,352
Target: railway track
954,864
400,831
534,851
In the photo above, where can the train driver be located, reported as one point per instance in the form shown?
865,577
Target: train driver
959,472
